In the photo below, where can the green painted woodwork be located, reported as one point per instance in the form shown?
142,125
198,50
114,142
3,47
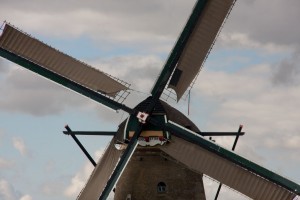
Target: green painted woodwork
123,162
133,122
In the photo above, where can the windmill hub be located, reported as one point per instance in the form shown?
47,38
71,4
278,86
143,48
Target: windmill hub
152,135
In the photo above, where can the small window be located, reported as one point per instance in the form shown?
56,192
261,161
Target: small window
161,187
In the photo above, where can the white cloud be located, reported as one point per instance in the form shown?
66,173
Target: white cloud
7,192
266,23
19,145
28,93
53,186
26,197
80,178
211,187
5,164
243,41
140,71
267,111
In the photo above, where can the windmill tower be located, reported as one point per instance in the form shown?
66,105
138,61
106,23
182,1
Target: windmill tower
157,152
153,174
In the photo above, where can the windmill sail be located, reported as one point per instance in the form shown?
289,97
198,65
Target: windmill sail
21,45
101,174
199,44
229,168
194,44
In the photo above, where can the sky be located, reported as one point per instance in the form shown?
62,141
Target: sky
251,77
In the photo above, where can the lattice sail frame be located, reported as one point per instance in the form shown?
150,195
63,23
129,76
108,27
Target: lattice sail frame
26,46
169,94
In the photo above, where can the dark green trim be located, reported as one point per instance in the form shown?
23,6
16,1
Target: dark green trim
220,133
96,133
231,156
170,65
133,122
63,81
122,163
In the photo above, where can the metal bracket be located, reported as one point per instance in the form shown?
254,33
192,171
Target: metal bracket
110,133
80,145
233,148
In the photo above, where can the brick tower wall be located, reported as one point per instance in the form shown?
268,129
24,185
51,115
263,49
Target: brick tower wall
147,168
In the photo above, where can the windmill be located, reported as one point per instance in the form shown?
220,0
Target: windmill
152,122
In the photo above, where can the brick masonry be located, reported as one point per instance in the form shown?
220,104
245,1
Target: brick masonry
148,167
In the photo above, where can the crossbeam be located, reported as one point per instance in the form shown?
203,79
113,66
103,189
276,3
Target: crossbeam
221,133
110,133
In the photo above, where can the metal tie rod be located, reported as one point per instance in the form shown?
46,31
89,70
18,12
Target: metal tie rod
233,148
80,145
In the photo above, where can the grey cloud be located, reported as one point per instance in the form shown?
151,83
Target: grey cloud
140,71
149,24
265,21
287,72
26,92
269,114
146,14
146,25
